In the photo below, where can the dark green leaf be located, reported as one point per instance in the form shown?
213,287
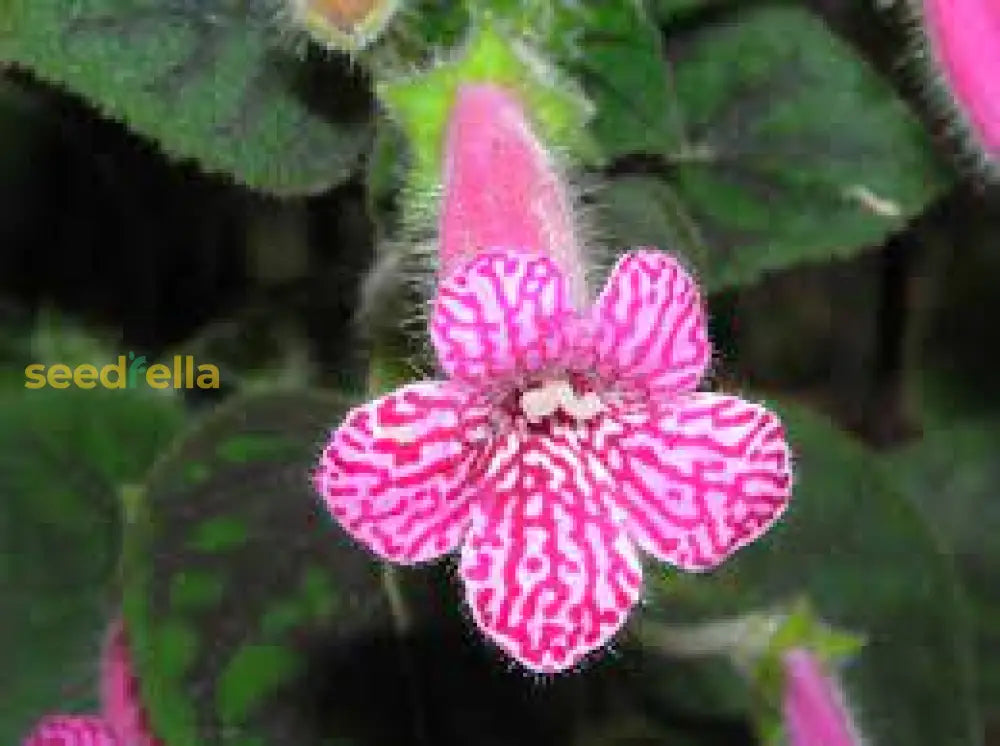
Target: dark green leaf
667,11
793,149
621,65
63,456
954,474
242,599
203,79
641,211
866,560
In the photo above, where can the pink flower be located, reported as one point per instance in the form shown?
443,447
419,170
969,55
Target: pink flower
123,721
964,37
814,710
564,436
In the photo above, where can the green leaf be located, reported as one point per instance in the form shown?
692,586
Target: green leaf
63,456
953,474
622,66
202,78
863,556
640,211
793,149
242,598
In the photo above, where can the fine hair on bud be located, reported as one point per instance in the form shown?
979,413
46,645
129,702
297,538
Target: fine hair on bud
348,26
953,68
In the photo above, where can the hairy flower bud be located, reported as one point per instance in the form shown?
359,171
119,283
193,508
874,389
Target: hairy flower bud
344,25
964,45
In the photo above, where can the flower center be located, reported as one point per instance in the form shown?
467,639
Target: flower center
551,397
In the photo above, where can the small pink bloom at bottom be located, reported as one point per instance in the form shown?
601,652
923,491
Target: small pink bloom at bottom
120,696
562,441
814,709
72,730
123,721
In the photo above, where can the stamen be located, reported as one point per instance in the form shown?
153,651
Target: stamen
551,396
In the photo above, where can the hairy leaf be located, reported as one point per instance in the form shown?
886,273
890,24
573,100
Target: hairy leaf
621,64
204,79
792,148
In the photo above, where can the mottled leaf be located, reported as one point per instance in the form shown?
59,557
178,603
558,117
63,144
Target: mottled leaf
244,604
862,554
63,456
204,79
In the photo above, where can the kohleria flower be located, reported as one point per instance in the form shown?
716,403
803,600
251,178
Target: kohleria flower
813,708
123,720
964,38
564,436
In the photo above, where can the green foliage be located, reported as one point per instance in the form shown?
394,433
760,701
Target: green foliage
238,590
204,79
793,150
861,553
619,58
953,474
63,456
667,11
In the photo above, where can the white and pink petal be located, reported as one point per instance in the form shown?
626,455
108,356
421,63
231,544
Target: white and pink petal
701,481
72,730
503,316
548,575
396,473
650,327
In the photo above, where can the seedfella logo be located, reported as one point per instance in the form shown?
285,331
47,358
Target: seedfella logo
128,372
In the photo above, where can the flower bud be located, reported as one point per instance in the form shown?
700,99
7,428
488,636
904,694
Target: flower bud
343,25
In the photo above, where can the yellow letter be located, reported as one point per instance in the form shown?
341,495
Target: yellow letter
60,376
85,376
118,368
158,376
35,375
210,372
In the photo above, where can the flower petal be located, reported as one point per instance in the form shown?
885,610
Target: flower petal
504,314
548,575
394,474
698,483
650,327
120,697
71,730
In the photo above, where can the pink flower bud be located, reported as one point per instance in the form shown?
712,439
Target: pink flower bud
501,190
814,709
964,37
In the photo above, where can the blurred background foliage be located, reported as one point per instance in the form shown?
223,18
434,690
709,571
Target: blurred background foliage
182,177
